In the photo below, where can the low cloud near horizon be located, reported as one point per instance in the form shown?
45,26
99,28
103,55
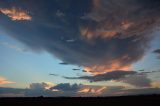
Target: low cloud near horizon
74,90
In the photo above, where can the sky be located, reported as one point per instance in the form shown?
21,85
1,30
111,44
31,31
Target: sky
84,48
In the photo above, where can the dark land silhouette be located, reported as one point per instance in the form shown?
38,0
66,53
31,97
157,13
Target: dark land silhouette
142,100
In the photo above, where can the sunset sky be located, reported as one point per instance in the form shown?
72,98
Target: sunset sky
79,48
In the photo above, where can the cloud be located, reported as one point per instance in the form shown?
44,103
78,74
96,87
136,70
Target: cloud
157,51
141,91
11,92
5,81
130,77
66,87
108,18
138,80
46,89
15,14
38,89
60,14
115,75
69,90
15,47
41,86
155,84
107,39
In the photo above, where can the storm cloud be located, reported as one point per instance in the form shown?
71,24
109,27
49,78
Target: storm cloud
103,35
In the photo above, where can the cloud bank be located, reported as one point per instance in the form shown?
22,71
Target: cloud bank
69,90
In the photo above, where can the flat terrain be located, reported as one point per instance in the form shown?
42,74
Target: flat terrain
125,100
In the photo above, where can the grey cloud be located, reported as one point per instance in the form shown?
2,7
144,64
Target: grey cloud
66,87
142,91
138,80
108,91
10,90
157,51
121,91
40,86
115,75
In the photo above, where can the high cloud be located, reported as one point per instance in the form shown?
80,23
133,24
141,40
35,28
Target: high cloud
106,35
15,14
5,81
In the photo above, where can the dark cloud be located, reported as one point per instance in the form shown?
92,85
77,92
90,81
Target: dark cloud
138,80
157,51
40,89
115,75
120,91
54,74
130,77
67,87
10,90
110,35
141,91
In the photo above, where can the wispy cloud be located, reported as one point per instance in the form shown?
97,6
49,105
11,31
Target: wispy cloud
12,46
15,14
5,81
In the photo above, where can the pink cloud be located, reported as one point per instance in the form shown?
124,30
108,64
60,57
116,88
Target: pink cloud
15,14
